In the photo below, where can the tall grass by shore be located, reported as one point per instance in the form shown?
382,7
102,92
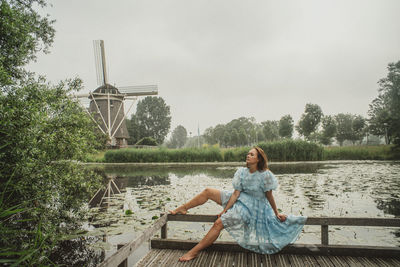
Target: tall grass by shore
287,150
379,152
163,155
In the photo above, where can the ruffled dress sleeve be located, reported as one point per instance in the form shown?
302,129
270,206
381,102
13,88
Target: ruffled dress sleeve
237,181
270,182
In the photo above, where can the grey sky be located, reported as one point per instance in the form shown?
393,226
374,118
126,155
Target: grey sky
215,61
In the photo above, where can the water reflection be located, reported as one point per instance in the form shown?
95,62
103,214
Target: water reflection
77,252
287,168
390,206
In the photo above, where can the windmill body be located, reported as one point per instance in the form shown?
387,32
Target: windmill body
109,102
106,106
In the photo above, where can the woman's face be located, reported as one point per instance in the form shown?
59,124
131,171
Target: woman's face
252,157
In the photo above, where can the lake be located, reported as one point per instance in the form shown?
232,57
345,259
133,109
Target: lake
330,188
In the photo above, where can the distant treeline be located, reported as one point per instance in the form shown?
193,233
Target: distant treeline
286,150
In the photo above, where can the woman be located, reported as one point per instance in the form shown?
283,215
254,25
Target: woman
250,214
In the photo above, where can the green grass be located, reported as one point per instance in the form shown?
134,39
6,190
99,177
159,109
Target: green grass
96,157
164,155
287,150
380,152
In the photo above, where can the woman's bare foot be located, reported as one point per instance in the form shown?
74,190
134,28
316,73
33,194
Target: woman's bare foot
188,256
180,210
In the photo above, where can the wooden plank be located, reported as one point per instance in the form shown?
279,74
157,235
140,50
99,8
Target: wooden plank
125,251
173,258
148,258
324,235
395,262
202,259
124,263
189,244
219,257
353,261
164,233
388,222
212,258
192,218
302,249
296,260
163,260
338,261
324,261
311,259
153,261
381,262
240,259
350,221
227,259
268,261
196,260
367,262
254,259
281,260
156,257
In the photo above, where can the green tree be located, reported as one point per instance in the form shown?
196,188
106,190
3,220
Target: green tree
379,118
358,129
286,126
218,133
43,135
270,130
246,123
178,137
152,119
310,120
384,111
234,137
242,137
24,32
329,129
344,127
208,136
226,138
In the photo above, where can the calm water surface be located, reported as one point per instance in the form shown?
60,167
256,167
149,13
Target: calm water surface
336,189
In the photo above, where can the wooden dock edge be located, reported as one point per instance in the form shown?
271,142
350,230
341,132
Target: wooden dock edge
123,253
300,249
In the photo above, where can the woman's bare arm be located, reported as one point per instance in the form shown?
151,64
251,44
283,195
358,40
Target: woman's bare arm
231,201
270,197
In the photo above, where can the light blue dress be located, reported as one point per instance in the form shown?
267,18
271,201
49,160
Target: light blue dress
251,220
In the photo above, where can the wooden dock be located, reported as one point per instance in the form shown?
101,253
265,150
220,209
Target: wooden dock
166,252
169,257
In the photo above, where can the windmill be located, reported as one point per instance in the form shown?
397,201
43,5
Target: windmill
106,105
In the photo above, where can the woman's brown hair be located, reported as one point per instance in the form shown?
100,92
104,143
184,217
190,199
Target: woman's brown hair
262,164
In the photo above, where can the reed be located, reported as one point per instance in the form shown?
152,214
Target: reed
292,150
379,152
210,154
287,150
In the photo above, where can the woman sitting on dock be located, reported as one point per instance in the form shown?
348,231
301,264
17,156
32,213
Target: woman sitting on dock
250,214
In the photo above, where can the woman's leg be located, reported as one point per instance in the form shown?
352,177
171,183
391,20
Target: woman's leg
207,240
206,194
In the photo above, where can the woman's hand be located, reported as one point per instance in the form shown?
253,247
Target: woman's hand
281,217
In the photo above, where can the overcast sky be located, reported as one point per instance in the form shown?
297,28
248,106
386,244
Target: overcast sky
214,61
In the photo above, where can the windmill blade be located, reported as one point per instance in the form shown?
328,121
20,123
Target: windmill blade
139,90
100,62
